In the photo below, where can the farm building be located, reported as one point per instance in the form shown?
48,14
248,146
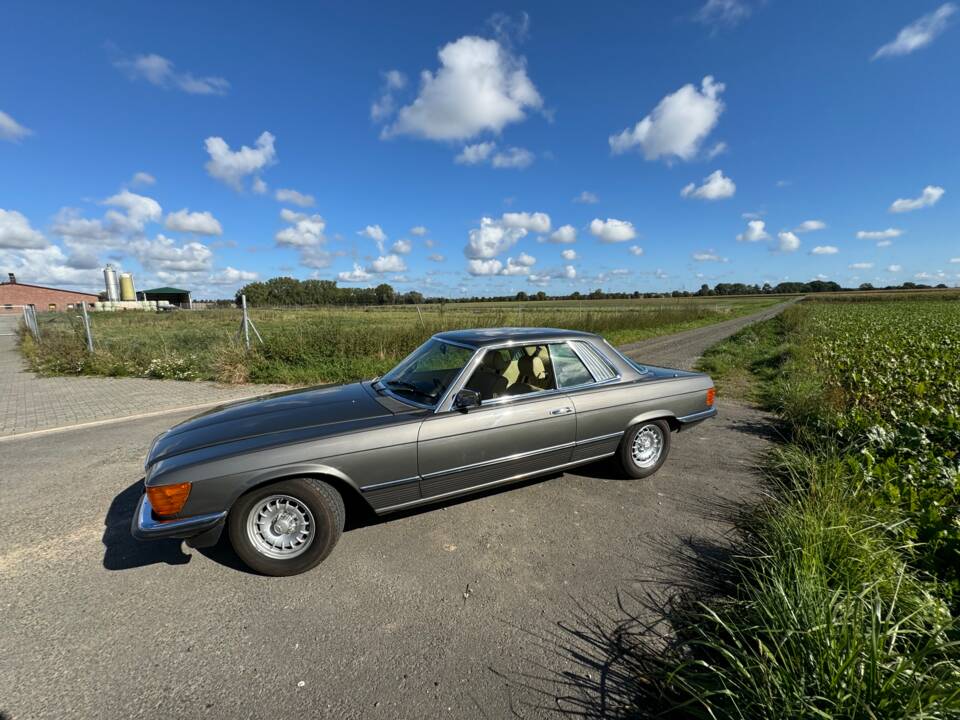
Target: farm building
14,295
175,296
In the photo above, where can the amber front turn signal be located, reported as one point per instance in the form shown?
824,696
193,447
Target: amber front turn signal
168,499
711,395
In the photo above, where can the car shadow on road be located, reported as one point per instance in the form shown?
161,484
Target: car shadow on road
121,550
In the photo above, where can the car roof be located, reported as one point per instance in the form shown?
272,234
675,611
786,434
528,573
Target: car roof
482,337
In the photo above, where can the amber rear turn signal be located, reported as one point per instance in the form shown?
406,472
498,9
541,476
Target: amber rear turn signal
168,499
711,395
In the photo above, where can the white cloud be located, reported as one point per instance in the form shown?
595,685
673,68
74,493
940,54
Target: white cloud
140,210
825,250
587,198
384,106
491,239
894,268
418,230
11,130
478,266
159,71
569,272
612,230
142,178
232,167
954,260
357,275
718,149
723,12
919,33
163,254
879,234
47,266
677,126
436,257
708,256
232,276
312,256
480,86
810,226
570,254
860,265
375,233
475,154
565,234
514,157
259,186
15,232
402,247
787,242
755,232
715,187
930,196
305,230
636,250
537,222
293,196
198,223
518,266
388,263
938,275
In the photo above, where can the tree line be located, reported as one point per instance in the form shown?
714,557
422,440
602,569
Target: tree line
290,291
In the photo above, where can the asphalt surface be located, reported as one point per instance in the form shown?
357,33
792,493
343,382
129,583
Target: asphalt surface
488,607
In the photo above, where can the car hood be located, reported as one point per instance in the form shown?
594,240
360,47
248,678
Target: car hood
326,410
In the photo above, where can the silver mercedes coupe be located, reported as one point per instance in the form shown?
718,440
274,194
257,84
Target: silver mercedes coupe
466,411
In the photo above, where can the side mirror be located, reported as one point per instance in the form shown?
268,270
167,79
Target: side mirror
467,399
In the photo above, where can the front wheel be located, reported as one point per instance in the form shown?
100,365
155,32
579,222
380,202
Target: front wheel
288,527
644,448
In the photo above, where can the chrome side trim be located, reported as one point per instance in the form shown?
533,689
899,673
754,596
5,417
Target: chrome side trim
389,483
145,527
494,483
508,458
598,438
698,416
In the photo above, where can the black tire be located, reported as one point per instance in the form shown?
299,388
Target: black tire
324,504
652,429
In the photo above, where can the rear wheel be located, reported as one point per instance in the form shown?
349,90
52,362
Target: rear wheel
644,448
288,527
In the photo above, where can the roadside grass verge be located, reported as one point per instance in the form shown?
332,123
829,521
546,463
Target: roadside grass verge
838,599
319,345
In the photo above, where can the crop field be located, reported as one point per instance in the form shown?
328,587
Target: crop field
841,598
315,345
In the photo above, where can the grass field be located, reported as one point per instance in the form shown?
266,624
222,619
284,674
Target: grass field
315,345
840,600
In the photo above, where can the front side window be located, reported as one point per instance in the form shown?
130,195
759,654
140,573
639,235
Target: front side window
427,372
507,372
569,367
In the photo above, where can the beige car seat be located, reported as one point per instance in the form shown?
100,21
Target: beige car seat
533,375
488,379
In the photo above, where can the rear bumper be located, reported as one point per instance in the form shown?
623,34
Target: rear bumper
688,421
199,530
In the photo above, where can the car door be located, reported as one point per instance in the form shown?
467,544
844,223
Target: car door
505,437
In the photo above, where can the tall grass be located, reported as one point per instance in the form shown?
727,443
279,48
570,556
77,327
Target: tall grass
823,611
328,344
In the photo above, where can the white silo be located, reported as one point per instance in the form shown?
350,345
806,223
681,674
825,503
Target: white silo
112,282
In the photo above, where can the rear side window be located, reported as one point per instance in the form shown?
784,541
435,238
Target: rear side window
598,365
568,367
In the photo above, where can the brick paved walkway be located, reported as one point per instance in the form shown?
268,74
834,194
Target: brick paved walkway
29,402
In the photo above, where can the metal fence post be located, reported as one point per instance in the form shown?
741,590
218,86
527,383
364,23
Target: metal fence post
246,328
420,315
86,326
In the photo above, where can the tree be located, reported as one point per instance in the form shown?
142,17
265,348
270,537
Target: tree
385,294
521,296
866,286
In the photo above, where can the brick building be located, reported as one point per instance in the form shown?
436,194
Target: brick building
13,295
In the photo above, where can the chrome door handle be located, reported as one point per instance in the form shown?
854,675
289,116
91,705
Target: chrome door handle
561,411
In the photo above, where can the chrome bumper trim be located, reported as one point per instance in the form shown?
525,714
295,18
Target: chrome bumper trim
146,527
697,417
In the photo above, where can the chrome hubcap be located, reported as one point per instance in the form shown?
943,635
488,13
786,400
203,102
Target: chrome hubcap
280,527
647,446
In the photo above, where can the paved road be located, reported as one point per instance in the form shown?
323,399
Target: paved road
473,609
29,402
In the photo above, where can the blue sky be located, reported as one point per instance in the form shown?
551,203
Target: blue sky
481,149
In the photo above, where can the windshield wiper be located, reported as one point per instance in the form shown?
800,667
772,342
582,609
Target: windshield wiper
409,386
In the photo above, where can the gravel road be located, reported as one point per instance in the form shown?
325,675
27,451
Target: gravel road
477,608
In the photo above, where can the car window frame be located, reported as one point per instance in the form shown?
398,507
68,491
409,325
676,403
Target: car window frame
446,404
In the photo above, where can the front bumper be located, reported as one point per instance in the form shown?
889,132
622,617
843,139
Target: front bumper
198,531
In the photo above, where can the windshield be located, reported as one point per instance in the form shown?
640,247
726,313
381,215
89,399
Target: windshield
427,372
